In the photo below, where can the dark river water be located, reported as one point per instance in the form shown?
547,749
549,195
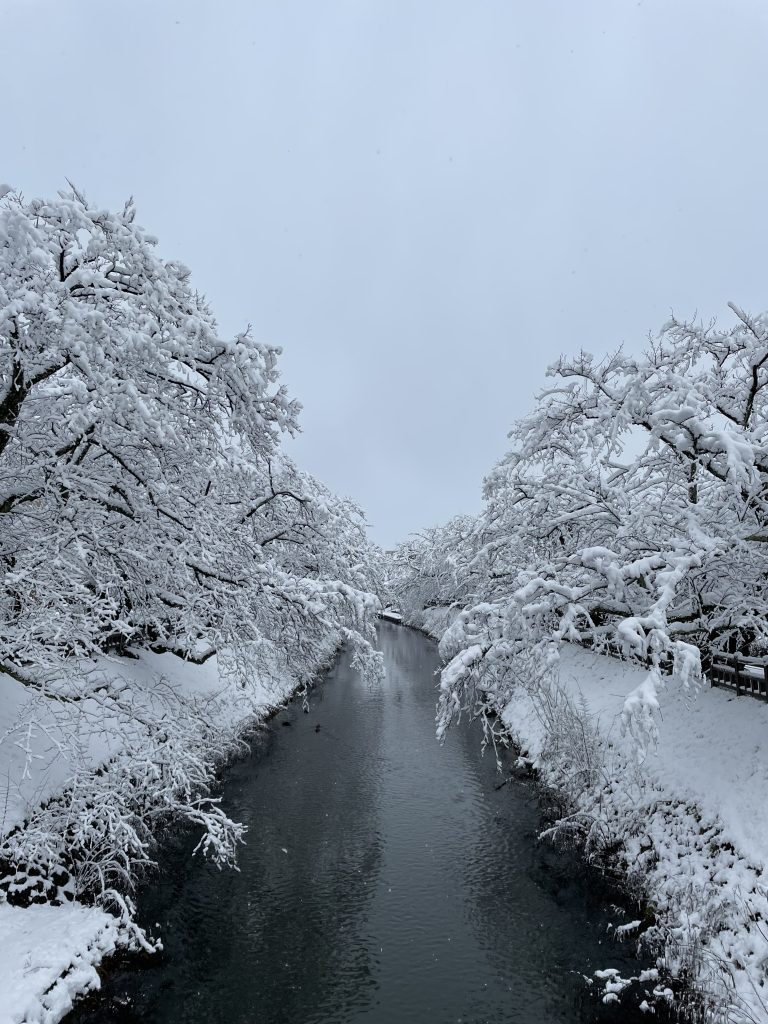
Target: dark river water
385,879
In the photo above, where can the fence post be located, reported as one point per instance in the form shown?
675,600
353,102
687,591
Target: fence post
736,674
765,681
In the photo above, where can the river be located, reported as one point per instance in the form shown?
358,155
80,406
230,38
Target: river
385,879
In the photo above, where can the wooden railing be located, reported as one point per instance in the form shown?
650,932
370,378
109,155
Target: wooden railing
742,674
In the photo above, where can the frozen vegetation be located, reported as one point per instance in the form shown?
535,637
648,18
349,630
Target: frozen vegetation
624,541
169,576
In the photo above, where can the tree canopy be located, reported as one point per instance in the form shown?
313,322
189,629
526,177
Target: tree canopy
144,496
629,514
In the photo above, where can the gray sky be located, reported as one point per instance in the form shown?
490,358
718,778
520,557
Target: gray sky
424,203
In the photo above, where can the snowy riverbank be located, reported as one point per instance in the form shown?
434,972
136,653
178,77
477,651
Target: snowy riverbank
686,827
49,755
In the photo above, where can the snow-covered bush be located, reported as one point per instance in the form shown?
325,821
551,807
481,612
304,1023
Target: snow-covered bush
92,838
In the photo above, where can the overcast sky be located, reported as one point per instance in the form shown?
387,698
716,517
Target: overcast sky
424,203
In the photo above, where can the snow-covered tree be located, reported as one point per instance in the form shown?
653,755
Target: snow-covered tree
141,485
432,569
145,502
630,512
659,464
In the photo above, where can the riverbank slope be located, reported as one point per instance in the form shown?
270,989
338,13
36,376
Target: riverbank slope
685,825
55,759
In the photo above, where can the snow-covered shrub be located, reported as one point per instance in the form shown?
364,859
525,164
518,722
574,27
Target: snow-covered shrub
93,838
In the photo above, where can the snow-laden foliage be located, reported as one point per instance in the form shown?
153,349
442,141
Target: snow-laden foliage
143,495
432,569
145,502
630,514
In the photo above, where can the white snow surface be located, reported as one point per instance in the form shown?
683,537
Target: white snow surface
712,748
49,957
